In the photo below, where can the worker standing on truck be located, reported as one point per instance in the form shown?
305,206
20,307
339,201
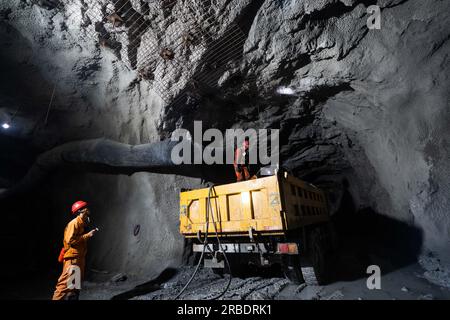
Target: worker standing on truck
241,161
73,254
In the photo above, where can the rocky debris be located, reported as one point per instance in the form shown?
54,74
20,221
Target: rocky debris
167,54
404,289
119,277
208,285
47,4
4,14
310,293
336,295
99,271
426,297
115,19
300,288
435,271
85,69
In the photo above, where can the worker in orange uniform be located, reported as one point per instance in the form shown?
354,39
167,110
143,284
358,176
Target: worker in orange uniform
73,254
241,161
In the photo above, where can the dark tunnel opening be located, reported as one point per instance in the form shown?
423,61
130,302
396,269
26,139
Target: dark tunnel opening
367,237
30,244
364,238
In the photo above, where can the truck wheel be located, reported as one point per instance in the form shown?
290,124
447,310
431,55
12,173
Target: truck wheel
334,239
292,270
314,269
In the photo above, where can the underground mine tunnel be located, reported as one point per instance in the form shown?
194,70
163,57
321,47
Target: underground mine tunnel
96,97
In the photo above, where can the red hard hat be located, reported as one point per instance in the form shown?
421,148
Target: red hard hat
78,205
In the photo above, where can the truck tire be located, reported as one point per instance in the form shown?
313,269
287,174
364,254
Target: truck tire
315,268
292,269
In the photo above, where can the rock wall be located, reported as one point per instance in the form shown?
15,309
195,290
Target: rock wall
370,106
95,96
137,217
384,97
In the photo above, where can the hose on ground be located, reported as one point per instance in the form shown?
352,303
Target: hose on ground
205,243
220,245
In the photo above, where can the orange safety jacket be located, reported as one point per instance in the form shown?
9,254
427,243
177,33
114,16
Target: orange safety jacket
75,240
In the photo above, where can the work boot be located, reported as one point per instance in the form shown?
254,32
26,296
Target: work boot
72,296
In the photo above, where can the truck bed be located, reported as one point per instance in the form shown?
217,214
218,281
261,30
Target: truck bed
267,206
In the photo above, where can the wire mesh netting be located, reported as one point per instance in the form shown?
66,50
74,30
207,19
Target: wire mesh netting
176,45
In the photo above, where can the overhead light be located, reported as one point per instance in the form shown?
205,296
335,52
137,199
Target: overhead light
286,91
6,126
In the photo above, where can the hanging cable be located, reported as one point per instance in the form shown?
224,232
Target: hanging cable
205,244
220,245
15,113
50,105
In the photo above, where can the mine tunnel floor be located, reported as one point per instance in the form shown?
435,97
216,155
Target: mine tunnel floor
406,283
403,283
403,276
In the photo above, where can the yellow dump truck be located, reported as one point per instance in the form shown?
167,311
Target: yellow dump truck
273,220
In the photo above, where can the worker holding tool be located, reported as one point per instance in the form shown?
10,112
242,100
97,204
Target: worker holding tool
73,254
241,161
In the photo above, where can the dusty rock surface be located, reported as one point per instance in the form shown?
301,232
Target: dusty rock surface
370,106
